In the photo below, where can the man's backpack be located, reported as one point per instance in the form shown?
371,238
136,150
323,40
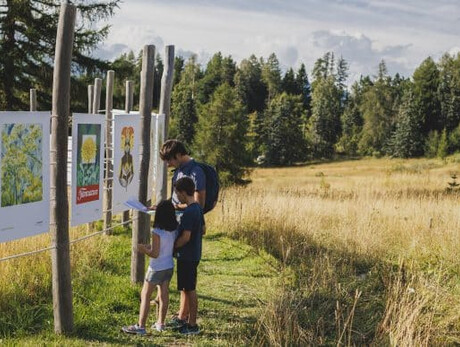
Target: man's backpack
212,185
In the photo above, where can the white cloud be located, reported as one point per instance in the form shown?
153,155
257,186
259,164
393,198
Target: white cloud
403,32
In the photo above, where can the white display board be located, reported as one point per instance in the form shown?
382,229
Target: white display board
88,138
24,174
156,164
126,140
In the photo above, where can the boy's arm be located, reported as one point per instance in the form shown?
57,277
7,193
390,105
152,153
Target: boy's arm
153,250
183,239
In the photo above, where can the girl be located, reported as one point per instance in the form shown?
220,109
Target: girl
160,268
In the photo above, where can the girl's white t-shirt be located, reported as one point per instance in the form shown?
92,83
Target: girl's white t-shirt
165,257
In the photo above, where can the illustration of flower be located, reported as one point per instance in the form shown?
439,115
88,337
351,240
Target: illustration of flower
88,150
127,138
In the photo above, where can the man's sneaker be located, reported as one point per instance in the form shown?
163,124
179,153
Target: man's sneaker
134,329
188,329
158,327
176,323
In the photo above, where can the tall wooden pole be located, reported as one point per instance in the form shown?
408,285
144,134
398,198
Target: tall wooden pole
59,228
128,107
141,224
33,100
165,108
108,151
97,95
90,98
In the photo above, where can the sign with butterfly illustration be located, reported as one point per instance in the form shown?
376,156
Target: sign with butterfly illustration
24,174
126,140
88,133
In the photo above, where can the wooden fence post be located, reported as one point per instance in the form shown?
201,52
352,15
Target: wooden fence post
128,107
33,100
59,223
97,95
108,151
141,221
90,98
165,108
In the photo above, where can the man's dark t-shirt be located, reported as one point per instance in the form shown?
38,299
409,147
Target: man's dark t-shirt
193,220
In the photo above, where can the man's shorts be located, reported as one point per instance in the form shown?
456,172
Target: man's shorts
158,277
186,275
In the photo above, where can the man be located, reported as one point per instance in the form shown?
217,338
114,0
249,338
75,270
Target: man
174,153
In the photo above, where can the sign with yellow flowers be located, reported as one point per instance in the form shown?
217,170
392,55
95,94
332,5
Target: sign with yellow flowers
24,174
87,167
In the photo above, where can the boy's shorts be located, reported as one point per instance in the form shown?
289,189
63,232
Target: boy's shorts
158,277
186,275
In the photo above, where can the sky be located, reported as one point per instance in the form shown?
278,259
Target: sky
363,32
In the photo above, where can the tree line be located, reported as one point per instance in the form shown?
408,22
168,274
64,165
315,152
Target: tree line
235,115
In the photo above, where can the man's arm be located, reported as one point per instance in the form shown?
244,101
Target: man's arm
200,197
183,239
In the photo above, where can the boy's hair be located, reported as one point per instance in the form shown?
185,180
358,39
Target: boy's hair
171,148
185,184
165,216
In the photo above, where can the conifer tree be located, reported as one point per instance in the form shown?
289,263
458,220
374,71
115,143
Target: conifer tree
27,40
426,90
271,75
220,139
249,85
407,139
184,105
285,143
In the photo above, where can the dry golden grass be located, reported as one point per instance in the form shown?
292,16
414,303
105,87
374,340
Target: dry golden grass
376,211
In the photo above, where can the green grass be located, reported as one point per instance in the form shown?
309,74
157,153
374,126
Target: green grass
233,280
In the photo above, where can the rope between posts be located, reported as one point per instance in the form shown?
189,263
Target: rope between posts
70,242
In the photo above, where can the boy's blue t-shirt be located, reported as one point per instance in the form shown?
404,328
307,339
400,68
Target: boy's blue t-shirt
192,219
192,170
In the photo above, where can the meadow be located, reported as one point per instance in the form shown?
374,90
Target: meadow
373,244
358,252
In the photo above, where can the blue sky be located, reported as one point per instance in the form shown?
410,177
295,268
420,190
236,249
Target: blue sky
364,32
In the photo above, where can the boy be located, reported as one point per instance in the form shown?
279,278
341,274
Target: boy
188,251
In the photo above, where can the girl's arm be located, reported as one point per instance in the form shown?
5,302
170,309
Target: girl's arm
153,250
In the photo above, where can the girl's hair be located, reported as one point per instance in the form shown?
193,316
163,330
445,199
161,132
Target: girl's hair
165,216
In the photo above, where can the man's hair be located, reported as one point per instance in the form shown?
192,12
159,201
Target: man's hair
185,184
171,148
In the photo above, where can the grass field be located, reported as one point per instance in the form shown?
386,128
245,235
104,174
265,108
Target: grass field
374,244
360,252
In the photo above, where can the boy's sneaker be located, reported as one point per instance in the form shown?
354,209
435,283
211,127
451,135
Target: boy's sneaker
176,323
134,329
188,329
158,327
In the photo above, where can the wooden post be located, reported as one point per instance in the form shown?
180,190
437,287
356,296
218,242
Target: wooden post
108,151
90,98
141,222
165,108
33,100
128,107
59,224
97,95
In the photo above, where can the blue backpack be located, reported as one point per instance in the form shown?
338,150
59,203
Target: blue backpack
212,185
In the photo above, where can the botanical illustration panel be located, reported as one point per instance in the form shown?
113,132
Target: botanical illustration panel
87,167
126,140
24,174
